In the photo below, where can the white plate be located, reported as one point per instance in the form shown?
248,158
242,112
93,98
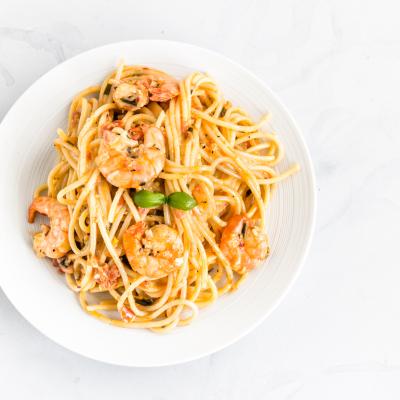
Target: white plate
40,293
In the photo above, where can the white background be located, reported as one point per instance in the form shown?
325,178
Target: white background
336,65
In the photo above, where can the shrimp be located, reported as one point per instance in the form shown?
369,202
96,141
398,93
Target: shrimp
53,240
145,85
153,252
244,250
127,164
107,276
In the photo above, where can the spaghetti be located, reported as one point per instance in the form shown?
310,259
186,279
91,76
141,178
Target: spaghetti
143,130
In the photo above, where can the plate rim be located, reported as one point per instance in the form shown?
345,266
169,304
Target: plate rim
313,199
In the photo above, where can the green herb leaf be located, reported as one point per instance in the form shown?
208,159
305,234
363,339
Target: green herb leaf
145,302
181,201
107,90
132,102
147,199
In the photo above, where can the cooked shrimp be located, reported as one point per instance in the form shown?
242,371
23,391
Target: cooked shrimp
127,164
153,252
134,92
243,243
53,240
107,276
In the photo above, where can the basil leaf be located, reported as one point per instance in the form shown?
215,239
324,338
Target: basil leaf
147,199
181,201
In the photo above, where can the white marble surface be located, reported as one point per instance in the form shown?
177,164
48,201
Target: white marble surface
336,65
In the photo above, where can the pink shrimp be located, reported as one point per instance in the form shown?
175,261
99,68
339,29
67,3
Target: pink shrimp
53,240
144,85
243,250
153,252
127,164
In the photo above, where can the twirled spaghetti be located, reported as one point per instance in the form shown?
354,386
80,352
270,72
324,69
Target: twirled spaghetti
154,267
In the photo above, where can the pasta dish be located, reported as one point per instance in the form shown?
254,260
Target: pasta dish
157,204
